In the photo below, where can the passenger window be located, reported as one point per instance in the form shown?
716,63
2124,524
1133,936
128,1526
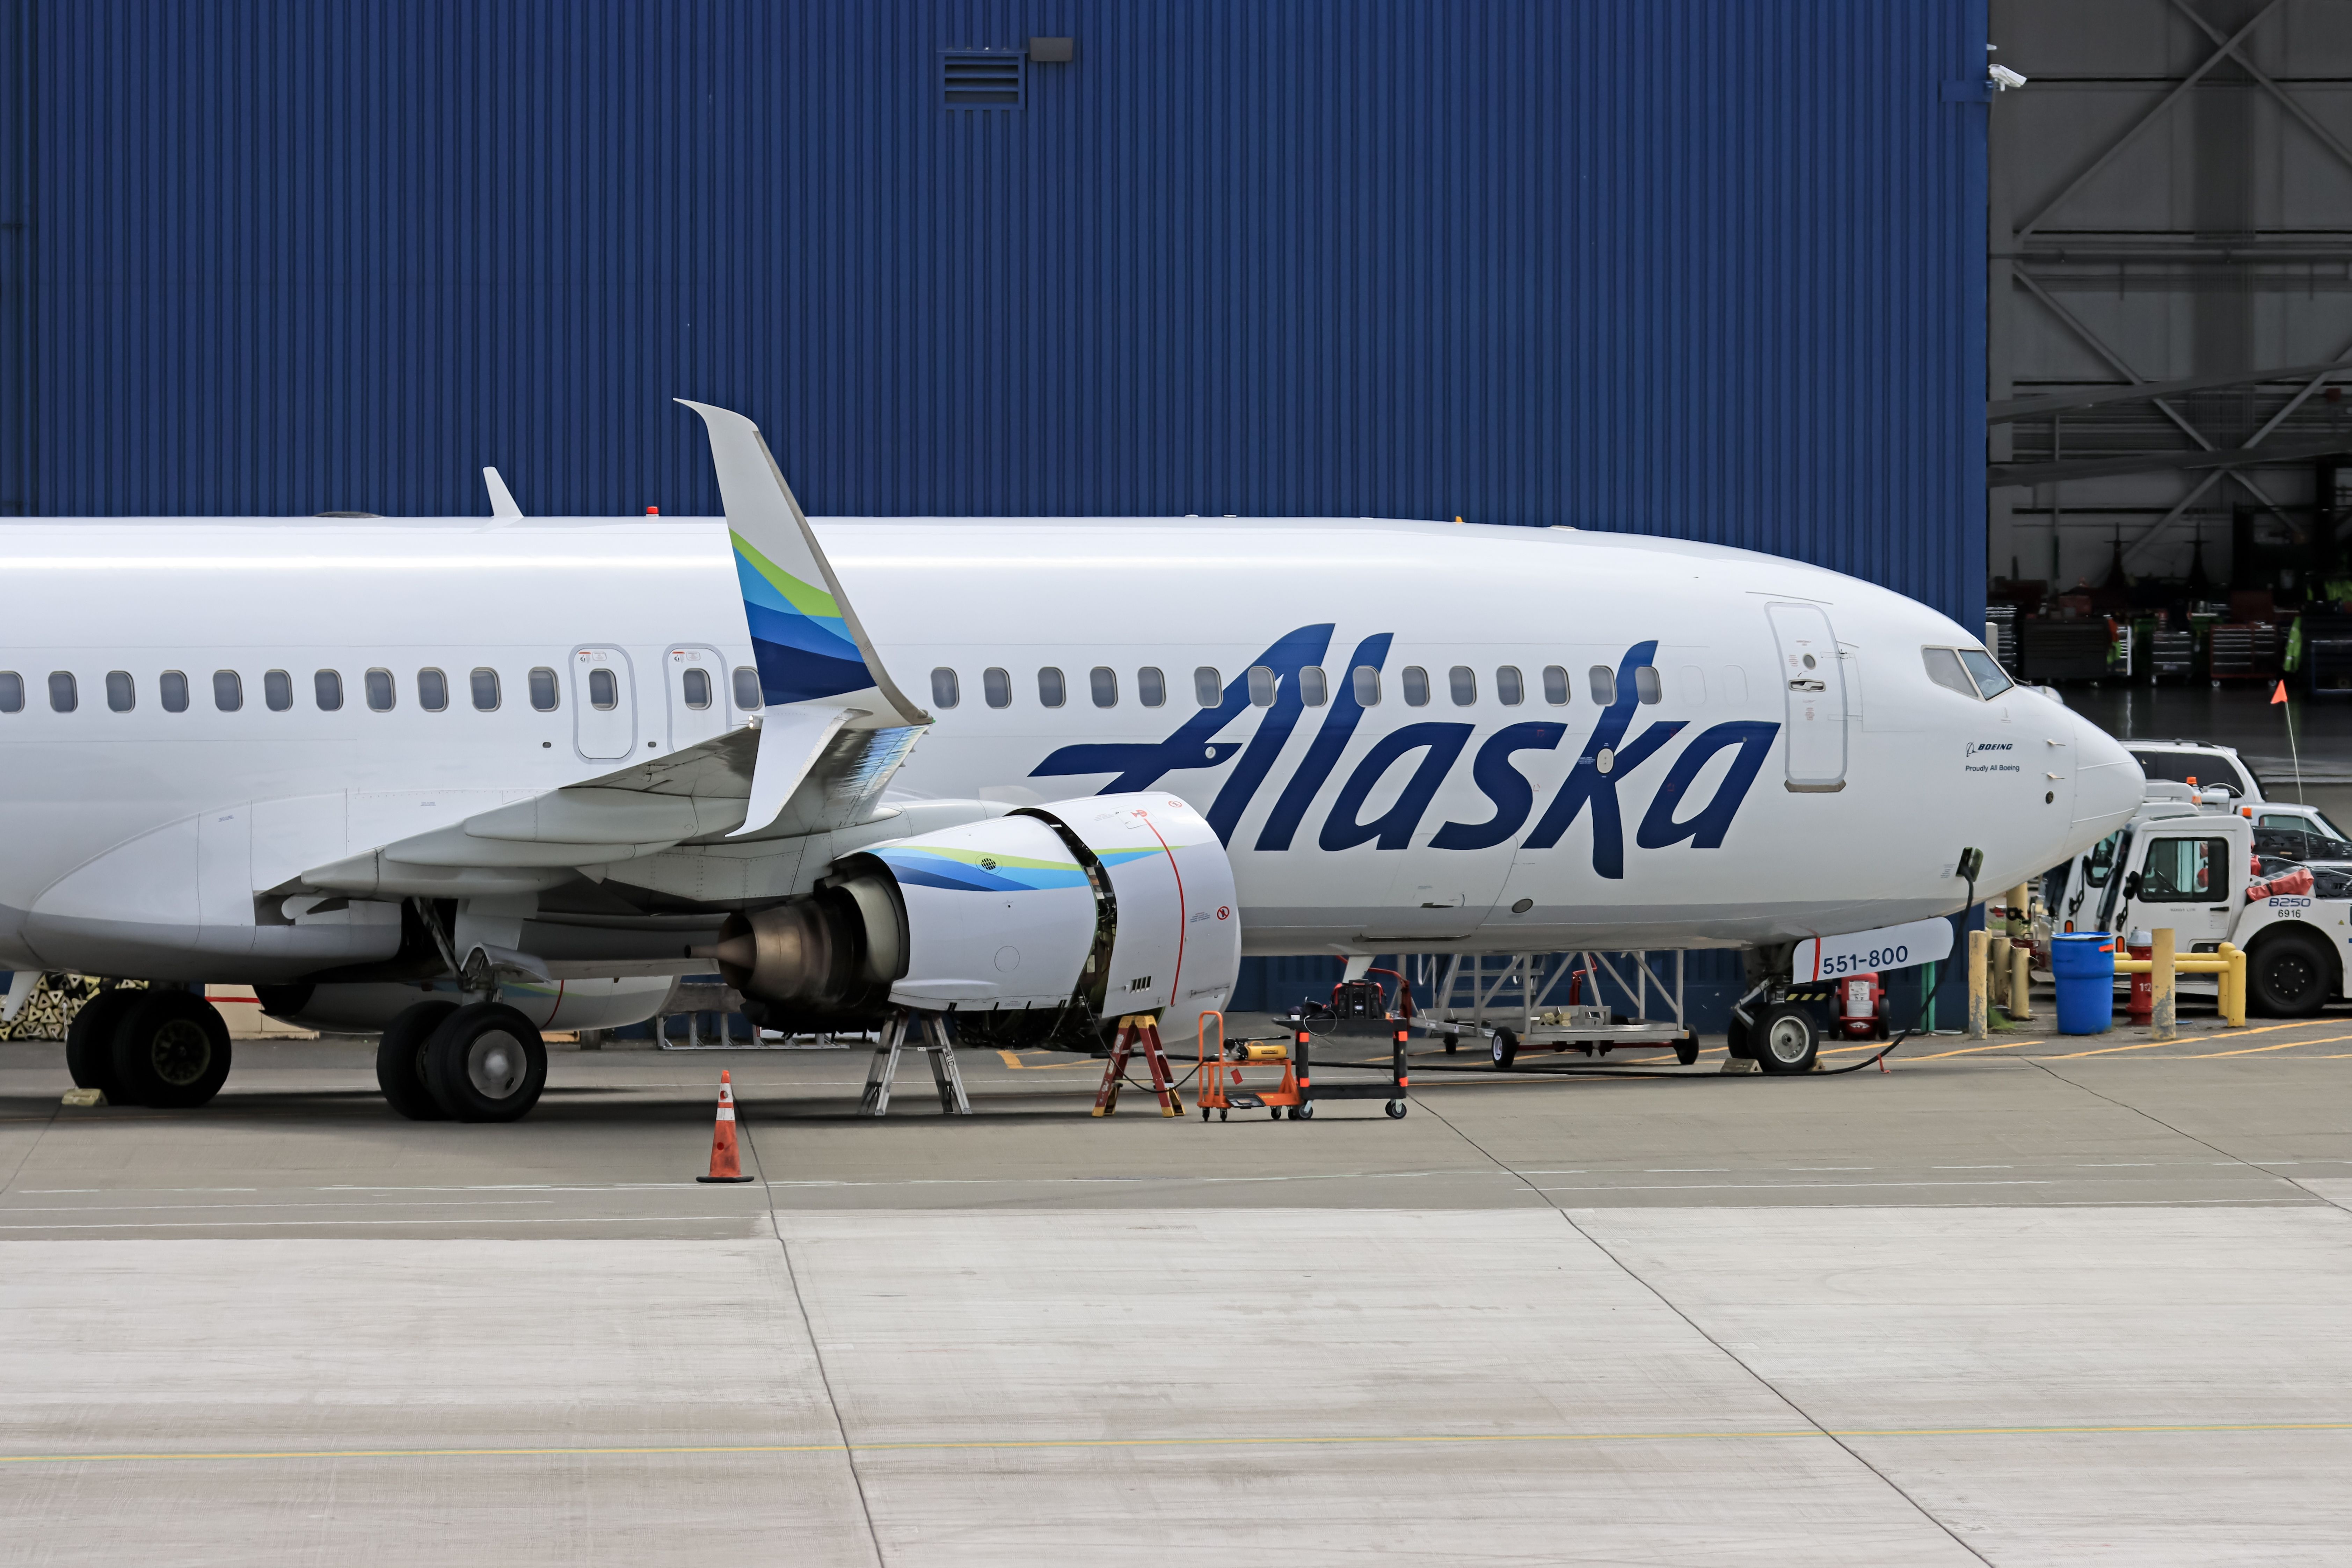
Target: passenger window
327,686
1102,681
1647,685
12,692
1509,690
1150,687
1944,670
278,690
1555,685
228,690
1262,683
2186,871
379,690
1462,681
1416,686
1208,687
1050,689
1991,681
946,692
1603,682
997,687
171,687
486,690
1692,682
1312,689
122,696
432,690
748,694
604,690
1366,682
1735,686
64,695
694,688
544,694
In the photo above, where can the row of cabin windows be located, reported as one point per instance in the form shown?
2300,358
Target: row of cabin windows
1314,688
379,686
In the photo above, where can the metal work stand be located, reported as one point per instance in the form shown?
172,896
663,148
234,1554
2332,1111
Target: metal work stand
934,1042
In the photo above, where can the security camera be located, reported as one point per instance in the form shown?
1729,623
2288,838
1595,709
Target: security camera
2003,79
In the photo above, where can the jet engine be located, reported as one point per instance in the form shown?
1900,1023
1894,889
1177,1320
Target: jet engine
1076,912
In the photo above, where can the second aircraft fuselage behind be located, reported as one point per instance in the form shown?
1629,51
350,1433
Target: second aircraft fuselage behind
1408,734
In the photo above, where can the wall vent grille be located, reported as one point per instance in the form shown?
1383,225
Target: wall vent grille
981,78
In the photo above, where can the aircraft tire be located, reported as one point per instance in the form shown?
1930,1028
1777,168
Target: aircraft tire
170,1050
1504,1049
400,1060
486,1062
90,1040
2288,976
1786,1039
1734,1040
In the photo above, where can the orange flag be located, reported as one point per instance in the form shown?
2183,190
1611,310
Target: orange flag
2280,695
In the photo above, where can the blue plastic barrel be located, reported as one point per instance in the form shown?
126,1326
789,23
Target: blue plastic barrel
2084,965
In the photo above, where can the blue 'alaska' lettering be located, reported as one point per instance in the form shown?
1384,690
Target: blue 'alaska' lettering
1330,742
1587,785
1393,829
1705,830
1139,765
1504,785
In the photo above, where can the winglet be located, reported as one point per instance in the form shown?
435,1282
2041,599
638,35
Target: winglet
805,635
502,501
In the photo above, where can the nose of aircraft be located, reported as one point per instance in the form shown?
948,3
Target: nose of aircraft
2108,784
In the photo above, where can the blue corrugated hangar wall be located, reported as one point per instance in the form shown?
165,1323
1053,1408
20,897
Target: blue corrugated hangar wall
1709,270
1712,269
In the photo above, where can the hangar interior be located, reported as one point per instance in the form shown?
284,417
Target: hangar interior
2170,293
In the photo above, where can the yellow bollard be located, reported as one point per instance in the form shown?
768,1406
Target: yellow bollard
2163,1018
2021,957
1980,1019
2233,988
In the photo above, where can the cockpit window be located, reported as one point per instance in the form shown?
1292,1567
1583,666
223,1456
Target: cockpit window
1991,681
1944,670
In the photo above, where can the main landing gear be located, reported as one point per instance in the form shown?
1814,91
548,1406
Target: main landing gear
165,1049
483,1061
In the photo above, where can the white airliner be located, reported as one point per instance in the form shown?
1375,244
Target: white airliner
462,779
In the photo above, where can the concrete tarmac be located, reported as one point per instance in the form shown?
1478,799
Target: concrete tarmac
2020,1301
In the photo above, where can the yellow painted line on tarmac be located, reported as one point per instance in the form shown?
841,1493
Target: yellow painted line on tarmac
2151,1045
1965,1051
1012,1060
1377,1439
2282,1046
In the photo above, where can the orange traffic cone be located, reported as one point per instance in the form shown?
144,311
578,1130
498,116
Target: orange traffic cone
726,1163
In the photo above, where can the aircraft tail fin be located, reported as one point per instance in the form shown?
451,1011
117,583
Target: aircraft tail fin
806,638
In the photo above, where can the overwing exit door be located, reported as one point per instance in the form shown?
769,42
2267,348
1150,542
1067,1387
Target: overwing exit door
1813,683
603,703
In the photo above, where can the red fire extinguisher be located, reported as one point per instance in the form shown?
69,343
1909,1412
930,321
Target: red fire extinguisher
1862,1007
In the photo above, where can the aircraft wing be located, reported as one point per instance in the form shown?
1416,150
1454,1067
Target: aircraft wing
834,728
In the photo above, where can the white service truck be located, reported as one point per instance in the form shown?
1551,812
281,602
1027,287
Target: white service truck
2190,864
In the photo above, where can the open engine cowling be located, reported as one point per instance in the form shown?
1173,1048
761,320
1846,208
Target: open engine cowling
1106,905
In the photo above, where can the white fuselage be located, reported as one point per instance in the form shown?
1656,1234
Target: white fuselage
137,834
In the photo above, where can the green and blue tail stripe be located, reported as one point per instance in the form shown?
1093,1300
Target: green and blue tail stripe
799,639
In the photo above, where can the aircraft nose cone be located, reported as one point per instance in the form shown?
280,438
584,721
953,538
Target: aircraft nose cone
2108,784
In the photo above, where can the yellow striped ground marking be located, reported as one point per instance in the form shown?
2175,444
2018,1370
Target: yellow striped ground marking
1275,1442
2151,1045
2282,1046
1965,1051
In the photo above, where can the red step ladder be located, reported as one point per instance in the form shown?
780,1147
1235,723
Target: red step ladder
1138,1032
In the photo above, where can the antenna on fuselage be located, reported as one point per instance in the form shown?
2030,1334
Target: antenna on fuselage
502,501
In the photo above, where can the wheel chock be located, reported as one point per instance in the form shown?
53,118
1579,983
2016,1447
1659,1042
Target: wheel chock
84,1097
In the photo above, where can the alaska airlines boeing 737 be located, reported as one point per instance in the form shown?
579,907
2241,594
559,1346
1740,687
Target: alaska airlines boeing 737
1038,772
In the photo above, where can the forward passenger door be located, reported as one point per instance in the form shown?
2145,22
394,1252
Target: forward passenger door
1812,680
